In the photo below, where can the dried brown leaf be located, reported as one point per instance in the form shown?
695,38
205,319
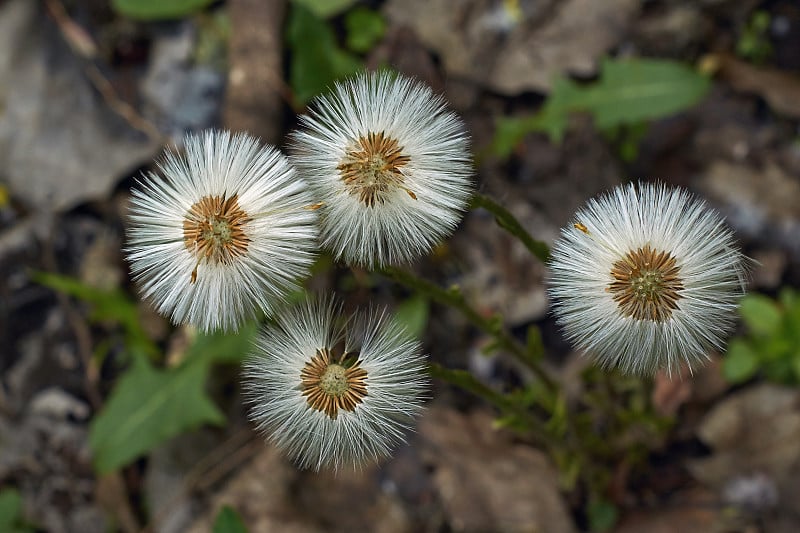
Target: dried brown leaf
779,88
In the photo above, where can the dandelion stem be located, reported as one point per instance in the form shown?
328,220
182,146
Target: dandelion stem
508,222
466,381
492,325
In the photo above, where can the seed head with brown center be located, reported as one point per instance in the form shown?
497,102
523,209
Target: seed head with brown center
335,391
647,284
330,383
391,165
214,230
372,167
222,233
647,277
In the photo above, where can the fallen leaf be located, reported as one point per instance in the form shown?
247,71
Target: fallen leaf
760,203
516,485
692,511
513,50
61,144
270,494
754,430
781,89
453,462
670,392
708,383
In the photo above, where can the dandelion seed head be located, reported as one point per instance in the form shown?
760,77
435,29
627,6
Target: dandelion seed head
390,165
330,383
646,277
647,284
371,168
220,233
334,392
214,230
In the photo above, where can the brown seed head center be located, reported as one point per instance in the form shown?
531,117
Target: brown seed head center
647,284
214,230
331,383
371,168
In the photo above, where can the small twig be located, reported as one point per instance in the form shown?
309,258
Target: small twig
207,468
83,46
116,490
230,462
120,106
233,443
83,335
111,492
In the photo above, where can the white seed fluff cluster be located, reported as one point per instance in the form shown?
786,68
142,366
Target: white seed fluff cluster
390,164
391,376
224,232
648,277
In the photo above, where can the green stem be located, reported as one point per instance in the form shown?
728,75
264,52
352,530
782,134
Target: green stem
466,381
508,222
492,325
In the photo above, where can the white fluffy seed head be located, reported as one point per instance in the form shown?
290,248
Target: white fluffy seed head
646,278
224,232
386,359
390,165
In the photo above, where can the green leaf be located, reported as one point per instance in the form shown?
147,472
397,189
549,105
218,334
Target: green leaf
365,28
213,32
228,348
325,8
602,515
509,132
740,363
628,92
796,365
147,407
413,314
491,347
754,44
554,115
635,90
627,139
776,347
228,521
557,425
108,305
552,119
10,508
534,345
158,9
316,59
761,314
790,301
780,370
569,469
789,298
